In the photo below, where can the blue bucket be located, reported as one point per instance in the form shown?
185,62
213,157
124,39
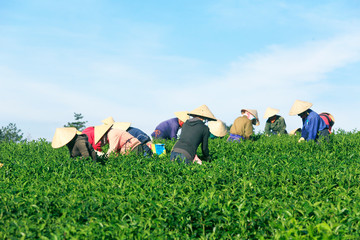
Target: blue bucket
160,148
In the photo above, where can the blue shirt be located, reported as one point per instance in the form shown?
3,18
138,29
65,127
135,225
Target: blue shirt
140,135
312,124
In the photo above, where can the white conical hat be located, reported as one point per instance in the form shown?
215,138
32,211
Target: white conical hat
293,132
99,131
121,125
254,113
299,107
183,116
270,112
108,120
203,111
217,128
63,136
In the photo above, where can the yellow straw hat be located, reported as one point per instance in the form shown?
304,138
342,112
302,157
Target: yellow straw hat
293,132
203,111
63,136
121,125
254,113
299,107
270,112
183,116
217,128
99,131
108,120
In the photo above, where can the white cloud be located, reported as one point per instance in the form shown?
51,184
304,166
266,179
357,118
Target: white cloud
277,78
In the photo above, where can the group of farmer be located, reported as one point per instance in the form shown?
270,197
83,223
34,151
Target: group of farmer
197,127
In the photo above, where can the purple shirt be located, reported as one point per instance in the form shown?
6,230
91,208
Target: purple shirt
167,129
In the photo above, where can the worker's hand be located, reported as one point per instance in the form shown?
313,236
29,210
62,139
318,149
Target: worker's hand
301,139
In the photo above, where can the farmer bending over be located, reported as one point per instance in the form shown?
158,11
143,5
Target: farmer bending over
120,141
217,129
194,132
242,127
313,126
77,144
275,124
168,129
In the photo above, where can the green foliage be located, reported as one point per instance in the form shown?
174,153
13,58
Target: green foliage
79,125
271,188
11,133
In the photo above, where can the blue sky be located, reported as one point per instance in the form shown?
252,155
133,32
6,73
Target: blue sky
141,61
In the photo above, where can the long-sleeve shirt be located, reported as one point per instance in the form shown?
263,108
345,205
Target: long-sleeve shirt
242,126
277,127
90,134
312,124
193,133
167,129
139,134
80,147
121,141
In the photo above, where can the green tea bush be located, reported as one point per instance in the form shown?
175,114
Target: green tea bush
271,188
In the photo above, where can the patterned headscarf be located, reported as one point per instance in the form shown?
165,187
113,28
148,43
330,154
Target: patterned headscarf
249,115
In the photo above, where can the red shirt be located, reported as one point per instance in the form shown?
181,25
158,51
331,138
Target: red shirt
326,120
90,134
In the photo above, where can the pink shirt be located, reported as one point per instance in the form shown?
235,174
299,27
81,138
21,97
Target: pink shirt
121,141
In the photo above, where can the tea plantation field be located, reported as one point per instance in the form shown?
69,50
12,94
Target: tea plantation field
271,188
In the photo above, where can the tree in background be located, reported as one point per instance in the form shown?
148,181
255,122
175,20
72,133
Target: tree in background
79,125
11,133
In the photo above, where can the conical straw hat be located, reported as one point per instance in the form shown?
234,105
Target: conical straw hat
217,128
295,131
183,116
270,112
254,113
108,120
99,131
203,111
299,107
121,125
63,136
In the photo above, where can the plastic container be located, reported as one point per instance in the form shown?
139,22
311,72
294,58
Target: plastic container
158,148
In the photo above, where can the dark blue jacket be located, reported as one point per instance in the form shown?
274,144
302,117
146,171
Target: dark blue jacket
140,135
312,124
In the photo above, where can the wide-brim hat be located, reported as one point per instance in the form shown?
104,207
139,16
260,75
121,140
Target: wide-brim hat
99,131
331,116
254,113
204,112
270,112
63,136
217,128
183,115
121,125
293,132
108,120
299,107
